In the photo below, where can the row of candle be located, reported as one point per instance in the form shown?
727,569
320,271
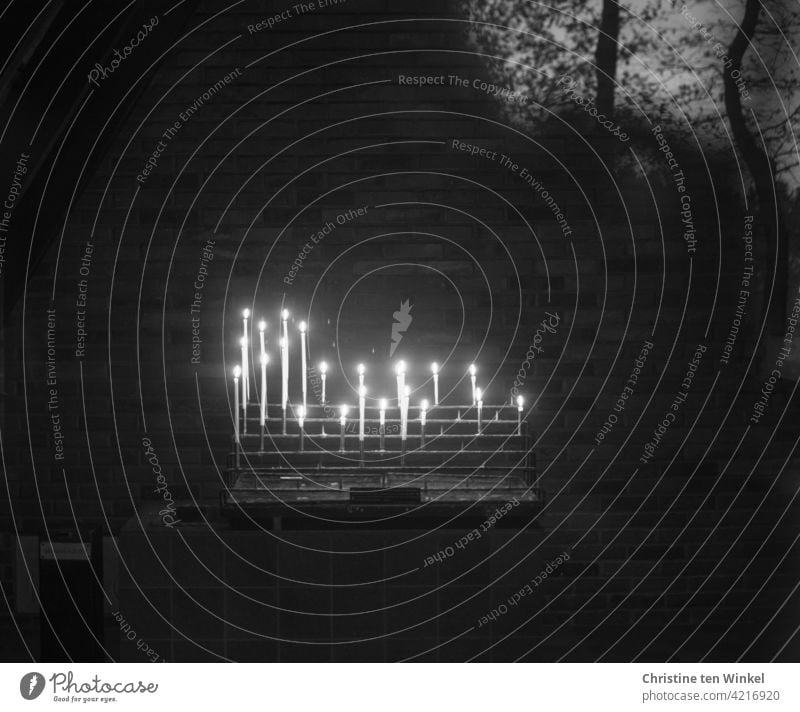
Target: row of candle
403,390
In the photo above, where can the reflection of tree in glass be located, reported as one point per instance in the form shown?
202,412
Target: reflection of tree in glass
721,77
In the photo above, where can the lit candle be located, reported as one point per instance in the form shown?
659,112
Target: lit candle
361,371
262,327
284,374
404,413
435,369
245,359
382,428
243,342
342,422
323,369
423,413
237,371
362,399
264,362
400,370
472,372
303,336
479,397
520,402
404,423
285,356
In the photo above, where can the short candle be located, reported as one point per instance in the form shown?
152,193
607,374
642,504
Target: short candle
362,395
323,369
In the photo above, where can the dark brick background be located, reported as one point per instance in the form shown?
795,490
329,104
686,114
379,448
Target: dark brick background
309,132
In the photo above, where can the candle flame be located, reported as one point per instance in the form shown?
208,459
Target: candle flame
344,410
362,391
246,313
323,367
262,325
237,371
424,405
478,395
303,326
472,370
301,412
400,367
520,401
382,404
435,367
285,314
407,391
361,369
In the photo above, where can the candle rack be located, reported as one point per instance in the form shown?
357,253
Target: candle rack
454,459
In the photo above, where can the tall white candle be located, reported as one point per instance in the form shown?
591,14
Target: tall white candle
237,371
262,328
361,371
382,428
285,356
362,399
520,402
245,357
243,343
472,372
264,362
303,365
323,369
435,369
284,374
404,413
479,398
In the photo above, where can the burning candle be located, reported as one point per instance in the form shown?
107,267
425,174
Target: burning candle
404,413
362,399
342,422
472,372
323,369
285,356
245,359
400,370
382,428
237,371
284,374
264,362
243,342
423,413
361,371
262,327
303,336
520,401
435,369
479,398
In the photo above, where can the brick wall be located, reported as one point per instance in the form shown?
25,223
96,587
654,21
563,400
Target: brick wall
298,137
